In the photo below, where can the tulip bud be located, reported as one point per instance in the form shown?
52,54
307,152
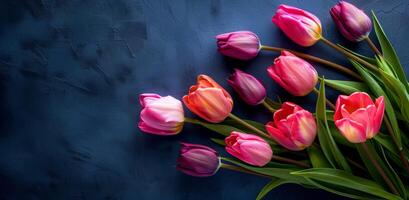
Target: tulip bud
242,45
292,127
209,100
160,115
357,117
294,74
198,160
299,25
249,148
352,22
248,87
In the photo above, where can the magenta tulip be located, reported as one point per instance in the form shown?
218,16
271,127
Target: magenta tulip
248,87
249,148
351,21
242,45
198,160
357,117
160,115
292,127
294,74
299,25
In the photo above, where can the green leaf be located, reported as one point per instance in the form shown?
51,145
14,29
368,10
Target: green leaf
347,87
394,176
270,186
386,141
366,58
317,158
273,104
378,91
218,141
347,180
328,145
222,129
388,51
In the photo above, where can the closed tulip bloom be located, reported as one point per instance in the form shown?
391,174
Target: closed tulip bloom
351,21
249,148
292,127
242,45
197,160
294,74
208,100
248,87
357,117
299,25
160,115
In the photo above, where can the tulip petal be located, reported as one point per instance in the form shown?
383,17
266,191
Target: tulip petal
147,97
378,117
353,131
304,129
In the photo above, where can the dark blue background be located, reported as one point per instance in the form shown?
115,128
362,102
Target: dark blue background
71,72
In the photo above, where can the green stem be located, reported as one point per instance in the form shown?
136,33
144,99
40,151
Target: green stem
240,169
192,121
329,103
372,46
379,168
265,104
315,59
350,55
401,153
291,161
249,126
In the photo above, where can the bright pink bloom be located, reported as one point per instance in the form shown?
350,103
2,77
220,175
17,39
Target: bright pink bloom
357,117
294,74
248,87
249,148
208,100
351,21
160,115
198,160
292,127
243,45
299,25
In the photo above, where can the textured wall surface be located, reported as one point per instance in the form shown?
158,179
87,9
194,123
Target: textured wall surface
71,72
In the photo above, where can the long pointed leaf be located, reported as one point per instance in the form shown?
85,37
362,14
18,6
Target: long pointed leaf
270,186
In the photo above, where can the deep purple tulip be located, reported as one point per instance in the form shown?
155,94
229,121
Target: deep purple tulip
198,160
248,87
242,45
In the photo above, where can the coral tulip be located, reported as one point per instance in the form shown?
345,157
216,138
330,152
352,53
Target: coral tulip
160,115
243,45
198,160
299,25
292,127
248,87
357,117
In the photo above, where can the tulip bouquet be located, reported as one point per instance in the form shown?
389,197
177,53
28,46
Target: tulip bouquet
357,148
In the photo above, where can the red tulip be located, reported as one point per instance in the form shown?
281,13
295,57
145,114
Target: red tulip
249,148
198,160
243,45
299,25
209,100
248,87
294,74
292,127
357,117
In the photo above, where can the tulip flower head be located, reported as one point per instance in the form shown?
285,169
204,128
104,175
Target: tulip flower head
292,127
357,117
299,25
160,115
249,148
209,100
198,160
242,45
351,21
248,87
294,74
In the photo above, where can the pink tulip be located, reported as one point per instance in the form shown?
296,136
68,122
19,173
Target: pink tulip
357,117
242,45
299,25
292,127
248,87
249,148
351,21
294,74
198,160
160,115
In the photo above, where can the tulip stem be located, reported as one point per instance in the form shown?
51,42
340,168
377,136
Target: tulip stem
192,121
401,153
291,161
249,126
265,104
315,59
329,103
379,168
372,46
240,169
349,54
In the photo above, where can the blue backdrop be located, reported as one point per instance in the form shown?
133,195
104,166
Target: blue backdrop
71,72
